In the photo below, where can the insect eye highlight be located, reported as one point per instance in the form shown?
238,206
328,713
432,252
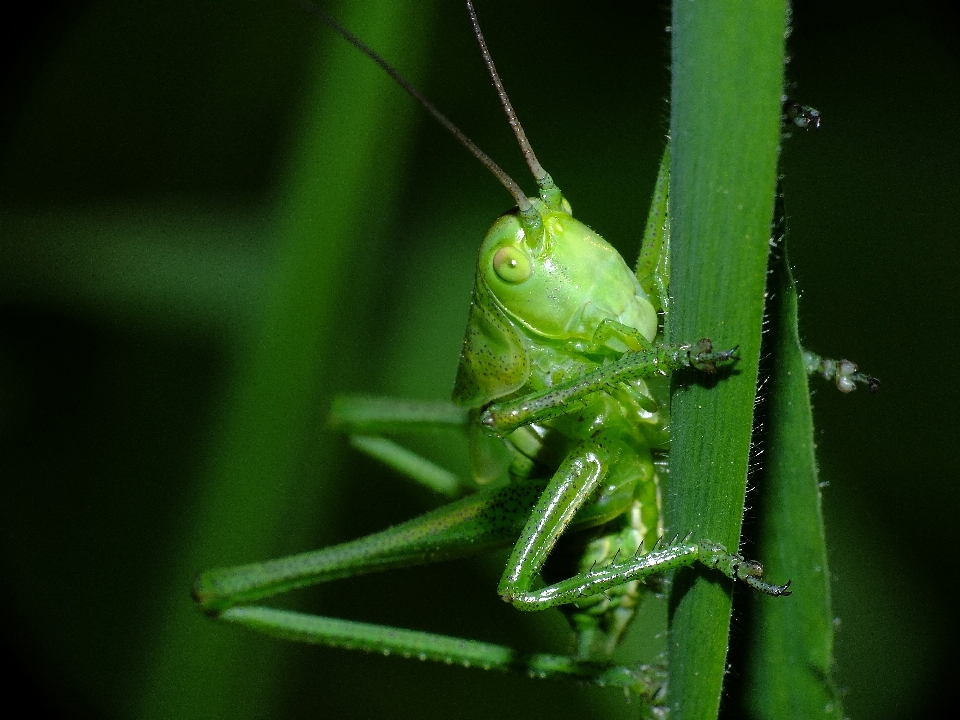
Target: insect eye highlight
511,265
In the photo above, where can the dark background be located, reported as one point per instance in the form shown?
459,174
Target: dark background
146,157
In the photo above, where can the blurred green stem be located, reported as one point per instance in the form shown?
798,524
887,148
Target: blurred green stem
255,493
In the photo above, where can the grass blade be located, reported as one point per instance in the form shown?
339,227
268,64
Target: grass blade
725,112
791,656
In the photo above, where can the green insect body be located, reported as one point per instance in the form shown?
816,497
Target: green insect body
550,305
560,337
560,391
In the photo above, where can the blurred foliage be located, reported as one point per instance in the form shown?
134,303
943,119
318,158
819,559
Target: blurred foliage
149,180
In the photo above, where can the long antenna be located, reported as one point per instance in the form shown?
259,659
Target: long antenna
549,192
530,216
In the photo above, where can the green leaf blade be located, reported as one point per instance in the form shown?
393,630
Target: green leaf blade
791,657
725,116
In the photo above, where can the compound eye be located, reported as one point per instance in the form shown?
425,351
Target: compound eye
511,265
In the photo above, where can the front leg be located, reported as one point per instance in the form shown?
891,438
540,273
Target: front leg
844,372
643,566
505,417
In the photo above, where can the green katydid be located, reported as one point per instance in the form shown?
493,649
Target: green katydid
563,428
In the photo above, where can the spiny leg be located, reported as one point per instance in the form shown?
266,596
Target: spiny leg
600,621
844,372
487,519
646,565
505,417
584,469
643,680
373,415
365,417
